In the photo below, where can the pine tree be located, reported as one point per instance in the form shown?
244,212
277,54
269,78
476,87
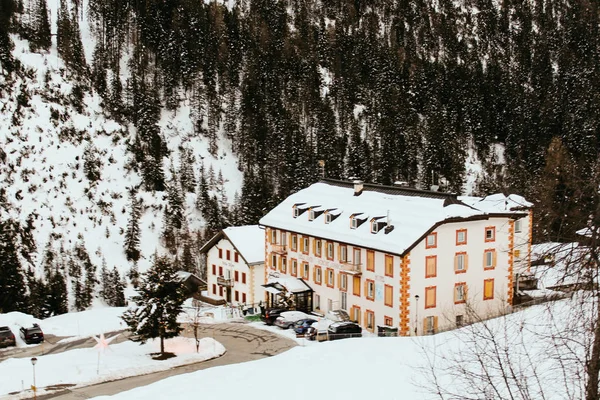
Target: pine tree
7,9
159,304
132,234
56,300
92,164
12,286
118,299
41,37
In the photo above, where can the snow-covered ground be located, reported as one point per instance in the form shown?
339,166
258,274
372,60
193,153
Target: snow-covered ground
92,365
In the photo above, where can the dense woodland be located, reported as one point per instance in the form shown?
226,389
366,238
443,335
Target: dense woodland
379,90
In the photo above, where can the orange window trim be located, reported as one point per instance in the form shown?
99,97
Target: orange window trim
430,291
464,285
332,272
317,268
493,238
465,264
340,277
433,273
457,232
292,271
356,310
434,245
388,321
307,274
367,313
489,267
356,286
370,260
367,289
389,265
332,250
305,244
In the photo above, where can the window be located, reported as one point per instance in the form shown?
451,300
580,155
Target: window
460,293
243,297
517,253
317,247
355,314
221,291
374,226
356,285
488,289
311,215
370,260
343,253
490,233
294,267
489,259
460,263
220,253
236,257
330,278
237,296
214,269
430,266
317,301
353,223
388,321
343,281
370,289
344,300
214,289
283,266
236,276
243,277
305,245
389,265
273,261
318,276
431,242
329,304
518,226
228,254
305,270
356,257
370,320
461,237
459,321
430,325
296,212
329,250
430,297
389,296
283,239
294,244
273,236
220,271
328,218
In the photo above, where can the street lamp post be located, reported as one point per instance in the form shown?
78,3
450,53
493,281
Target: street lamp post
33,362
417,315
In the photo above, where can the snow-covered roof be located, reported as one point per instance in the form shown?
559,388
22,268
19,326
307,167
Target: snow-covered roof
560,264
248,240
497,203
411,212
291,284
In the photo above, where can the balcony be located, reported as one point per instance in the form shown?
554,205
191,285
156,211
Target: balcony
222,281
352,267
279,248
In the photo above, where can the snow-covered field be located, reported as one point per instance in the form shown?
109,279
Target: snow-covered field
92,365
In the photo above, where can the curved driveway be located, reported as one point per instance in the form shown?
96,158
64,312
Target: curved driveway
243,343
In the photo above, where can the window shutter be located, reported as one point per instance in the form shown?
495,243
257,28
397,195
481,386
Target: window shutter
466,261
356,285
314,247
456,262
366,288
315,274
435,324
494,258
339,280
424,326
485,259
339,252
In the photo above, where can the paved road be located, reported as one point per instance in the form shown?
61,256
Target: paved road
243,343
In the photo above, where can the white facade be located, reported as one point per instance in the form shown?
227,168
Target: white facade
472,254
234,269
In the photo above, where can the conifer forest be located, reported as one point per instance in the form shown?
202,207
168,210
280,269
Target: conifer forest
377,90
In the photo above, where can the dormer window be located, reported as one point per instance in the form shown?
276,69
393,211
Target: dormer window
296,212
328,218
353,223
374,226
377,224
311,215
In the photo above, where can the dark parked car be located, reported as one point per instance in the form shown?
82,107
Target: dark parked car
269,316
288,319
32,335
7,338
343,330
301,326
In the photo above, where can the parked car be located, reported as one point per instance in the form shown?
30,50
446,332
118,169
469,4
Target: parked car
343,330
269,316
32,335
301,326
287,319
7,338
338,315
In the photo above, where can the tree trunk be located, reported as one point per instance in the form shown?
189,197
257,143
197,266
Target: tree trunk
593,365
162,347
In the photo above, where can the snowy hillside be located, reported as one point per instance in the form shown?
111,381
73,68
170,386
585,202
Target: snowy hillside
44,137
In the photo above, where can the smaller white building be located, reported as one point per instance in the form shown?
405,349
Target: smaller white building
235,265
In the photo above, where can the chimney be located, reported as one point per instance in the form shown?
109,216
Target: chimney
358,187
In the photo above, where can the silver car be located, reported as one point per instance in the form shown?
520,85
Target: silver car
287,319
